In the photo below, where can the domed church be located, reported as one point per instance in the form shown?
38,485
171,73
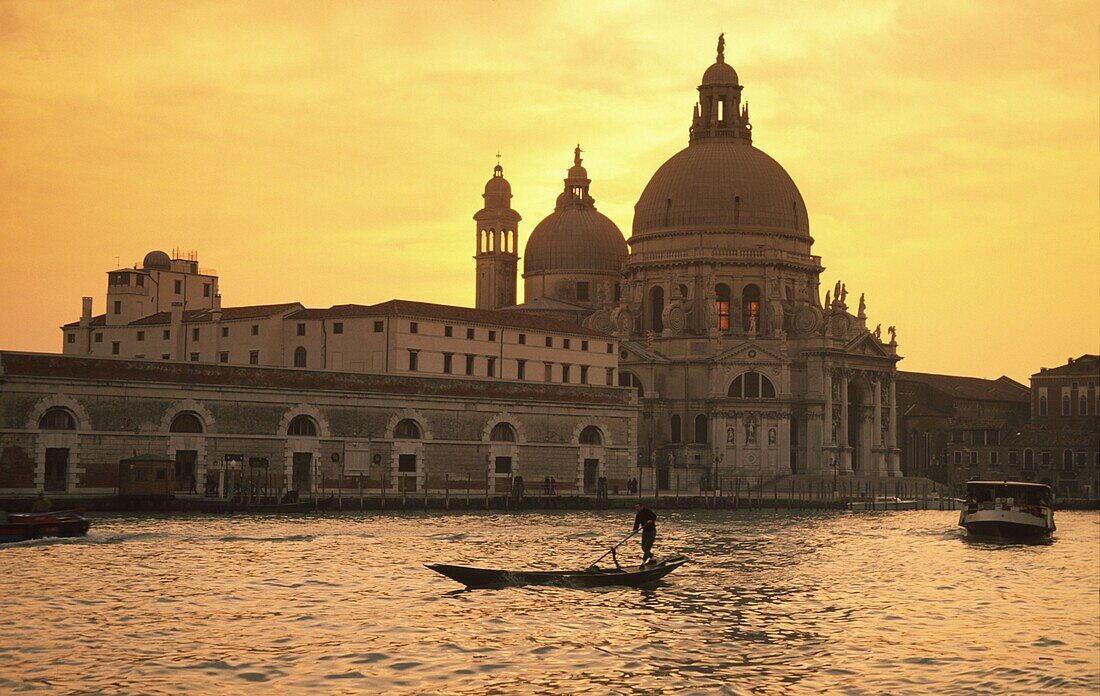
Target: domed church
741,368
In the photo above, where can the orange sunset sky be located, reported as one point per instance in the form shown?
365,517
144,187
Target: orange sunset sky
332,152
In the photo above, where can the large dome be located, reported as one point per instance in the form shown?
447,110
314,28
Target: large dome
720,183
575,239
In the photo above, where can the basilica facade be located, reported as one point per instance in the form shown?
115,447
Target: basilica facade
740,365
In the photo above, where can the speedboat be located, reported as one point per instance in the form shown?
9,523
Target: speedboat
882,502
35,525
1008,510
592,577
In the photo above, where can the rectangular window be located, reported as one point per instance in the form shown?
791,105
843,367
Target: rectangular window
582,291
99,338
521,369
414,327
71,338
338,327
584,345
994,458
117,307
301,329
492,335
503,465
549,341
523,339
115,347
469,364
195,334
253,357
179,287
491,367
225,332
141,281
194,357
223,357
379,326
448,331
548,372
565,374
412,360
1046,459
206,289
973,458
610,348
584,374
469,334
165,356
610,376
1013,457
565,343
448,363
167,335
255,329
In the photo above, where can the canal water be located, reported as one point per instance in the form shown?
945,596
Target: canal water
865,603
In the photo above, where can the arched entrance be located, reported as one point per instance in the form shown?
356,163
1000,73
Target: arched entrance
859,425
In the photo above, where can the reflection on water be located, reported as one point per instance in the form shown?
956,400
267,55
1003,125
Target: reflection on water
895,602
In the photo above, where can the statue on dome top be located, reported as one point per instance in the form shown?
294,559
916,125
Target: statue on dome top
722,47
577,155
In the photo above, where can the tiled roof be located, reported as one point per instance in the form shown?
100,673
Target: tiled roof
975,388
228,314
1085,365
79,368
465,315
98,320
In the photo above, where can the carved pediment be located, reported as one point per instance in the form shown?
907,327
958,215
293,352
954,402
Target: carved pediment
636,351
866,345
749,352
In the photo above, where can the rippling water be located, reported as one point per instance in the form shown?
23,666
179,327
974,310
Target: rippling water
895,602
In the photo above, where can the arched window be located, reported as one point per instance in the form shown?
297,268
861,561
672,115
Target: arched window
751,385
750,307
1065,404
722,298
675,427
700,428
186,422
629,379
302,426
591,435
503,432
657,308
1029,459
1067,460
407,429
300,356
57,418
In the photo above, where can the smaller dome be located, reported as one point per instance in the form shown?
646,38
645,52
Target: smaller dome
721,73
575,239
156,259
578,172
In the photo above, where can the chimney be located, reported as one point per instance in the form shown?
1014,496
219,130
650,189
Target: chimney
218,302
85,311
1069,361
177,313
216,312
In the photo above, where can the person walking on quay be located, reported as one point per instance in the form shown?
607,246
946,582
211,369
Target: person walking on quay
646,520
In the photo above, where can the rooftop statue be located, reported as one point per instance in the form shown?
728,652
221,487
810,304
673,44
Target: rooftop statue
722,47
577,155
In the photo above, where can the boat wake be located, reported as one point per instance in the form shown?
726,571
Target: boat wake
275,539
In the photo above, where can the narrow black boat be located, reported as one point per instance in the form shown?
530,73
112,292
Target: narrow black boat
593,577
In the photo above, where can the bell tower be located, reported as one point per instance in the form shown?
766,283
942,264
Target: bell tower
497,243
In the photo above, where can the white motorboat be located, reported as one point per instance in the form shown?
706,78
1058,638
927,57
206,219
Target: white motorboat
882,502
1008,510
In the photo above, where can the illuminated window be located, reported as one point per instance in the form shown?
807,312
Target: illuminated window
722,300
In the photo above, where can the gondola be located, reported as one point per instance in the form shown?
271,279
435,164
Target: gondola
35,525
593,577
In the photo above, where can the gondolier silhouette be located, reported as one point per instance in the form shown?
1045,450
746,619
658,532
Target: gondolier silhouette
646,520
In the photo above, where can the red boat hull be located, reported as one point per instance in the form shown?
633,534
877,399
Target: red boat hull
25,526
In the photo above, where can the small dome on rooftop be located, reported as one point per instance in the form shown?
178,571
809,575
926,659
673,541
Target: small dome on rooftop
156,259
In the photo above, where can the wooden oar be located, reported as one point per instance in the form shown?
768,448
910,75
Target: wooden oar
612,549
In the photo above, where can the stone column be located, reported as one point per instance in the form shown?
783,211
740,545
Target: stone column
828,405
878,447
845,453
784,442
815,441
892,432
